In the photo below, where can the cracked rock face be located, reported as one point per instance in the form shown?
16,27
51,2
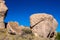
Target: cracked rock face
3,10
43,24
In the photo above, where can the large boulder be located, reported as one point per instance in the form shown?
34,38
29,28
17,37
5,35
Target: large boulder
43,25
3,10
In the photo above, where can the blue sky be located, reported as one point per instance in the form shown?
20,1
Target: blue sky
20,10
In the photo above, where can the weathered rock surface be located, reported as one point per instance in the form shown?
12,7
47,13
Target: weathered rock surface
43,25
13,27
3,10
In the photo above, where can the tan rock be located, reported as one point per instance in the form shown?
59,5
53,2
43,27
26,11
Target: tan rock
13,27
55,34
2,1
43,24
2,25
3,10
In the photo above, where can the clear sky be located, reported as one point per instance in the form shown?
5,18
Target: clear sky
20,10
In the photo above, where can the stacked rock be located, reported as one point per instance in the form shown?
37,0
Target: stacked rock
3,10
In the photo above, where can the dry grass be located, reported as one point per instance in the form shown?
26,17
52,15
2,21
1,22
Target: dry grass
26,35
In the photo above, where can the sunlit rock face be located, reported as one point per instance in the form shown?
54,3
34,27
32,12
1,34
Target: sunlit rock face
14,28
3,10
43,24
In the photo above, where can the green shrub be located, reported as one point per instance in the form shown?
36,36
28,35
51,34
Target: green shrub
27,31
58,36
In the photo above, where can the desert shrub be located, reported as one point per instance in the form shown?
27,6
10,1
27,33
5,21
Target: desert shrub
26,34
58,36
27,31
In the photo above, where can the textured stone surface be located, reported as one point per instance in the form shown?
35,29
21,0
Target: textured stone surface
43,24
3,10
13,27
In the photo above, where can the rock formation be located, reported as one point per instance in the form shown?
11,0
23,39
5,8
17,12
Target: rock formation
13,27
43,25
3,10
